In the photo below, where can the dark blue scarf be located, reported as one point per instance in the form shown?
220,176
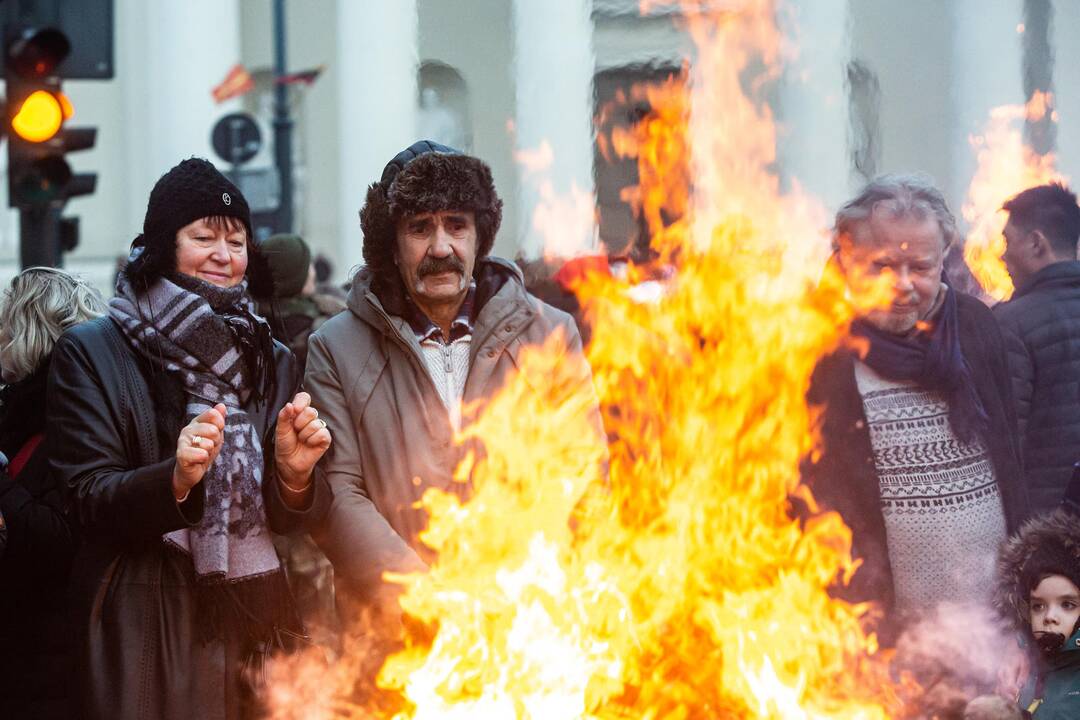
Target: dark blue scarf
934,360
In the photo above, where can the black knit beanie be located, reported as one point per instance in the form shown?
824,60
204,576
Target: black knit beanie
290,262
426,177
192,190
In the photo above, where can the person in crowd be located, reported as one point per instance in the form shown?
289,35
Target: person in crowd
176,426
434,328
297,310
35,636
1041,324
298,307
324,273
919,455
1038,590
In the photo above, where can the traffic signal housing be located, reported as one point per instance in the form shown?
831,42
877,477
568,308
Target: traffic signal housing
38,38
37,110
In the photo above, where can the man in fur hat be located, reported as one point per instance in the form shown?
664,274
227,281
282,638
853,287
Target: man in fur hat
434,327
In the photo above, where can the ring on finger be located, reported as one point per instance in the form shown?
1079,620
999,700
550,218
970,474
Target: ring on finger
322,423
196,441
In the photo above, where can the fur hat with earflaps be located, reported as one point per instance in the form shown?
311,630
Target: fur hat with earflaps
1045,545
426,177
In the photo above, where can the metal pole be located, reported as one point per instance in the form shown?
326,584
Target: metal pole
39,236
282,123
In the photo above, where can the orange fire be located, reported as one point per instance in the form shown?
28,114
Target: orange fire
1006,165
657,575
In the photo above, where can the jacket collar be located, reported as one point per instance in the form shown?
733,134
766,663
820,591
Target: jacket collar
1059,274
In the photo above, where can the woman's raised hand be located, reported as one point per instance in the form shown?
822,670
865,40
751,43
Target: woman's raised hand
199,443
301,440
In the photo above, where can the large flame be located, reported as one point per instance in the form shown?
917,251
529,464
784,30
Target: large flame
1006,165
658,575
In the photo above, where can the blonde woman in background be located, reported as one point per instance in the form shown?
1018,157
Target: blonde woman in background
35,637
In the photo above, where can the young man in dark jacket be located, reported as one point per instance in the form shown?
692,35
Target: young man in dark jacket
1041,324
920,456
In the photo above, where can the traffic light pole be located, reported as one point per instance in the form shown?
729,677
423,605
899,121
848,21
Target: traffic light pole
283,124
39,236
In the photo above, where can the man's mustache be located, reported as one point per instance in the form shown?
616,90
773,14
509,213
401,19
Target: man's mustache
433,266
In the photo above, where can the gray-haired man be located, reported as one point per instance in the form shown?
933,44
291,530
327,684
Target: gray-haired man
920,448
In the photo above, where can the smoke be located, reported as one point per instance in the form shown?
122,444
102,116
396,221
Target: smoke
954,653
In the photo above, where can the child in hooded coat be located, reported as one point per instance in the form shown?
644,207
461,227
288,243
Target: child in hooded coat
1039,590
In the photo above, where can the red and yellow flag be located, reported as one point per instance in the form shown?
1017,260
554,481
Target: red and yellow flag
236,83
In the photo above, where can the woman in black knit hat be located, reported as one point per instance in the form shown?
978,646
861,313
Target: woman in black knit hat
176,426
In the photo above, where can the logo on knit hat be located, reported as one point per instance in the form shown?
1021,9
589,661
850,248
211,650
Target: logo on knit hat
226,199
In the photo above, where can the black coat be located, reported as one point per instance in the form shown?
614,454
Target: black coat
113,424
35,634
845,479
1042,335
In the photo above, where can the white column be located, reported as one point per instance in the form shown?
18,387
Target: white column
553,72
171,57
987,73
813,146
1067,87
377,101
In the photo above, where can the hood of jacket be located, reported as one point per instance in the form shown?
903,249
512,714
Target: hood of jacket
1010,596
492,274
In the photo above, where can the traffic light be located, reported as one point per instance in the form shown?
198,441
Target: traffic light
38,38
37,110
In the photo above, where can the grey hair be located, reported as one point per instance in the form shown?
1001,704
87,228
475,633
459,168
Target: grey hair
899,196
42,303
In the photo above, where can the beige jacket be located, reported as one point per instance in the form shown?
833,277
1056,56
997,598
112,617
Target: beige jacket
392,432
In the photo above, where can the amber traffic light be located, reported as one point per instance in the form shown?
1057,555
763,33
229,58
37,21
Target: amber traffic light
38,171
41,116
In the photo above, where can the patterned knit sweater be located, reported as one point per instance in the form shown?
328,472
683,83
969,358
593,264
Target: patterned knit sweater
943,512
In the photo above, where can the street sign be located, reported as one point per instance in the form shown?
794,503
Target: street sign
236,138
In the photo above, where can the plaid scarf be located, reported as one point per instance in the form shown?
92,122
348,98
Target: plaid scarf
195,329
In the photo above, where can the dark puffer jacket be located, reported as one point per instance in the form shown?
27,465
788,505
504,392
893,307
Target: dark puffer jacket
1052,692
1041,325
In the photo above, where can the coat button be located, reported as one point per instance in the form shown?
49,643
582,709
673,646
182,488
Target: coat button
490,353
509,328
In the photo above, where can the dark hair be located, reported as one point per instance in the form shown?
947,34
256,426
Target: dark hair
1052,210
1052,557
154,263
430,182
